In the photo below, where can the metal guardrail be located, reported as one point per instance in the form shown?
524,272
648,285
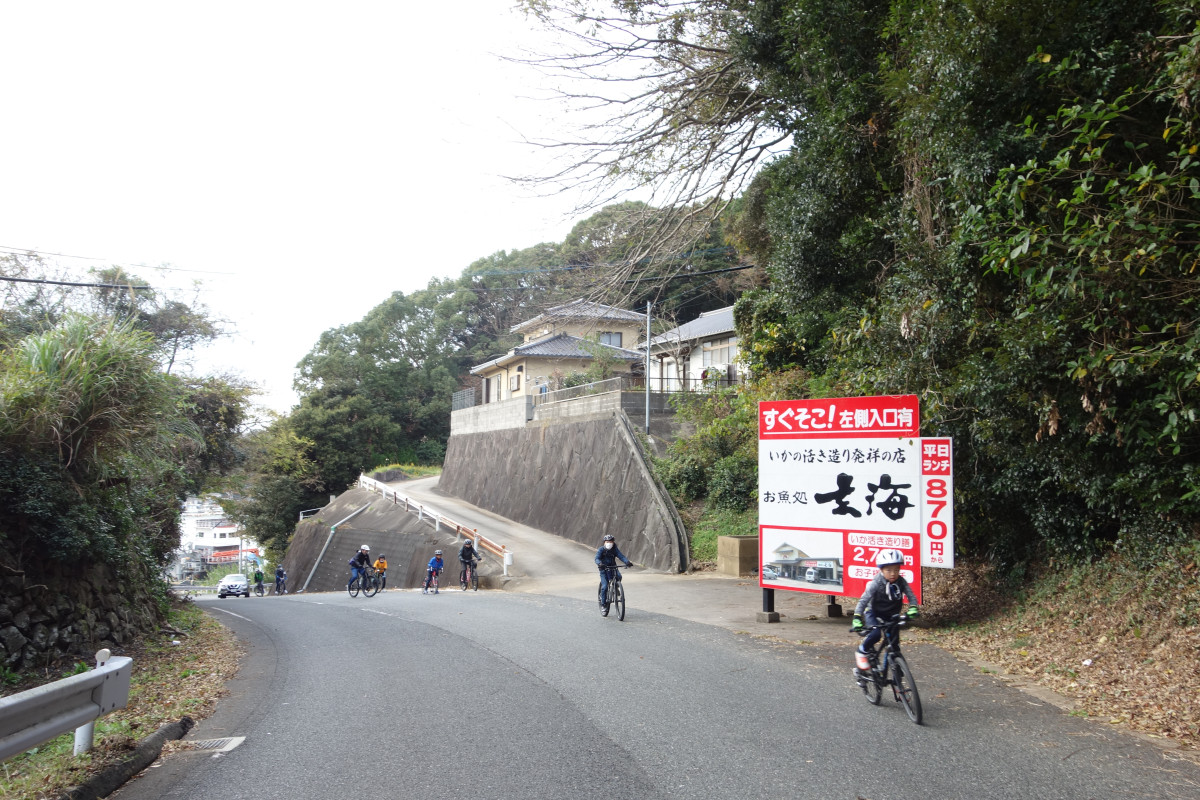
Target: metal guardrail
500,551
38,715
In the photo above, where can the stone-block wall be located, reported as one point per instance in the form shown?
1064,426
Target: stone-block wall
66,614
578,478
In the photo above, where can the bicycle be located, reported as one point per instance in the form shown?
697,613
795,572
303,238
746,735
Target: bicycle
889,668
616,593
431,579
367,581
469,577
281,586
258,589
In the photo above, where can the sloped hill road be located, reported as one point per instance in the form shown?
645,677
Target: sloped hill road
533,694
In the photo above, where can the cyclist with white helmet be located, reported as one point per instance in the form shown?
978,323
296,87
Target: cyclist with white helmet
883,599
359,563
607,556
434,568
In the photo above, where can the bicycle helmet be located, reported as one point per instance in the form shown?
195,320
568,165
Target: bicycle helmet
365,547
889,558
608,537
437,552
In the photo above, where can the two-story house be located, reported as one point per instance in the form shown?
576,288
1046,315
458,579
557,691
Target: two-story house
698,353
561,341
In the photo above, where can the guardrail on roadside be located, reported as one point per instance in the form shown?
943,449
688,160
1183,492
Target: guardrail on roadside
500,551
38,715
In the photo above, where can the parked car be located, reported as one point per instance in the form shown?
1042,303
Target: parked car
770,574
233,585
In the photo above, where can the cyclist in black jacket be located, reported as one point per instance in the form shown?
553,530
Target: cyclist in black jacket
359,564
467,556
606,557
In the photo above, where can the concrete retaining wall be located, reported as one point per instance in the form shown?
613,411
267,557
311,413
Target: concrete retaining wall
498,416
578,478
407,541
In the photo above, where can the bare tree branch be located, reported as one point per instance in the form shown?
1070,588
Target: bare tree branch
662,108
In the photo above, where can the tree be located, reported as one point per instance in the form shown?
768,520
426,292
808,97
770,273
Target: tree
176,326
669,107
91,436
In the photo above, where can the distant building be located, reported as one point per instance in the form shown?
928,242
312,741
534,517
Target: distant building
698,354
208,538
563,340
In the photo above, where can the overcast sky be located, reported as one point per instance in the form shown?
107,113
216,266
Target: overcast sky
303,160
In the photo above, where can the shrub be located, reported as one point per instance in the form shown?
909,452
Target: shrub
733,482
685,476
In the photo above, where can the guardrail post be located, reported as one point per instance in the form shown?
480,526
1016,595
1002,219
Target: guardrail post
85,734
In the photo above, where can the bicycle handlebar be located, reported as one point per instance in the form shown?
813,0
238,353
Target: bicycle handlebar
898,621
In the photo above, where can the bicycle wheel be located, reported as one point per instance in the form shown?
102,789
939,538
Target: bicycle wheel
258,590
619,600
353,588
462,579
474,580
906,689
871,685
370,586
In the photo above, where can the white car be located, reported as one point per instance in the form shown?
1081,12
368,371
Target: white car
770,574
233,585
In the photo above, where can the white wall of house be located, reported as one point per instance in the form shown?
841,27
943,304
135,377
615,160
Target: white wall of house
717,355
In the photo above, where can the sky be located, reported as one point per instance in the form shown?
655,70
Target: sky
301,160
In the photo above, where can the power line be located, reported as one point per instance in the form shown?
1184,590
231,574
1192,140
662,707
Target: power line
23,250
678,275
73,283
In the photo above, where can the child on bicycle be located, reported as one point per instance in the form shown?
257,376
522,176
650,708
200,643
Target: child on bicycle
467,557
606,559
280,580
381,567
882,600
258,579
434,568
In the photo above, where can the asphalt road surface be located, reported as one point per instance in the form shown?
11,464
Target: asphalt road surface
501,694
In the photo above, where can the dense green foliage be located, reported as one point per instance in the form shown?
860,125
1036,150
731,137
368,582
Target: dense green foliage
99,444
993,205
990,204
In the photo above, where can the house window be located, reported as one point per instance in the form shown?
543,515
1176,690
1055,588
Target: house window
719,351
514,383
611,338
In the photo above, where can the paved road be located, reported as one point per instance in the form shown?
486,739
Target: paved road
689,697
500,694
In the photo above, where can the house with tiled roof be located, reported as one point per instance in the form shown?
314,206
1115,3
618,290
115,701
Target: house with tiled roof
562,341
698,353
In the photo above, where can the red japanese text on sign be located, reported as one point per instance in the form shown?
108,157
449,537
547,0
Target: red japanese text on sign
937,503
844,417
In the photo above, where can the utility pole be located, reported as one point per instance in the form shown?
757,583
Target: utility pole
647,367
